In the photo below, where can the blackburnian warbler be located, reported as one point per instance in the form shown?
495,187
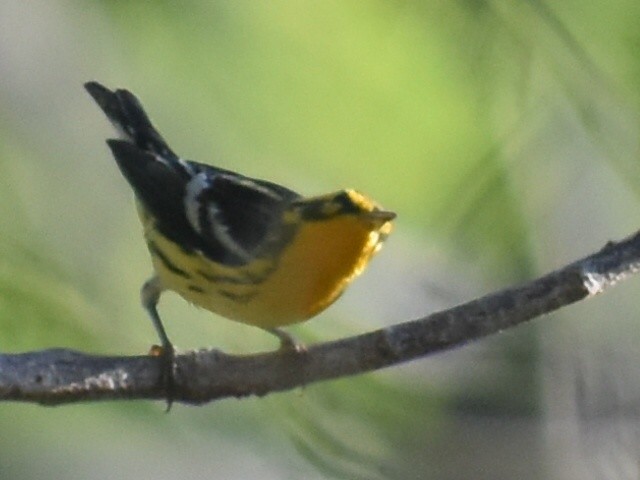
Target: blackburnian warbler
250,250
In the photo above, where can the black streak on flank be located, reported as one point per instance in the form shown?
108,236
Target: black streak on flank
153,248
196,289
238,297
245,278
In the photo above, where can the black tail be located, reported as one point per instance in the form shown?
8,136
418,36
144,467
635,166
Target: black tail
126,113
155,182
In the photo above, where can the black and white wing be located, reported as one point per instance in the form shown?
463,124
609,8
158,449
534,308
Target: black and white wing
226,216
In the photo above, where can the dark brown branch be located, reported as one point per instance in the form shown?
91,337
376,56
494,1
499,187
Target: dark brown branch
63,376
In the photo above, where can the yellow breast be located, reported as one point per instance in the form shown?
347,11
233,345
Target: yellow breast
307,276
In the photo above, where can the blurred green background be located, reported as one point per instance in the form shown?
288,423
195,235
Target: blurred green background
505,136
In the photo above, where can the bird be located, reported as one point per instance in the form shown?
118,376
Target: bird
247,249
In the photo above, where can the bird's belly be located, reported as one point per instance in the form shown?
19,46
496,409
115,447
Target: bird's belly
309,275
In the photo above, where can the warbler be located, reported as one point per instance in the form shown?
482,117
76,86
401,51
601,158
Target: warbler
249,250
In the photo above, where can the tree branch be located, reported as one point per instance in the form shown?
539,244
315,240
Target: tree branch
64,376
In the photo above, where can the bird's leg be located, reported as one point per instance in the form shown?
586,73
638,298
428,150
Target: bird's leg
287,341
150,294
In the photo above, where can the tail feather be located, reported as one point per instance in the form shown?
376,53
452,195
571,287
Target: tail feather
126,113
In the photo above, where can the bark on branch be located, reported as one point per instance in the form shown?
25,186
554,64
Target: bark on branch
63,376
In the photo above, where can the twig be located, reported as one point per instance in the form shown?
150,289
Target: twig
63,376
